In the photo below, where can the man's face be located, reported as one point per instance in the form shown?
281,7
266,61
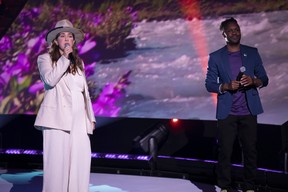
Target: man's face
232,33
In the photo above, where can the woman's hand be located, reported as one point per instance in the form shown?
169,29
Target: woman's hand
67,50
94,125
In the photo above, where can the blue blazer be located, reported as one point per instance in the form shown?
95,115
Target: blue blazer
219,72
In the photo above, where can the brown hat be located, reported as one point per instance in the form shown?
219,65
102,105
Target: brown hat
64,26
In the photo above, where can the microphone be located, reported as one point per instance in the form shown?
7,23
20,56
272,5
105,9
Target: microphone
225,37
241,72
70,56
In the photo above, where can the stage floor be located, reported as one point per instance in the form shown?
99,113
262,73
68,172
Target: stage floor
31,181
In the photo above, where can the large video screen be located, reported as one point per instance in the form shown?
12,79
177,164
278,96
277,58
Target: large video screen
146,59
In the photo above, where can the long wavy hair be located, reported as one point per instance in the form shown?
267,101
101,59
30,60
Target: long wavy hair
54,52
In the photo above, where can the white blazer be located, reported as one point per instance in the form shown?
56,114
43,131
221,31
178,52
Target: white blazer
56,109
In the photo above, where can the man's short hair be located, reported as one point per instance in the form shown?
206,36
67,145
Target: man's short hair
225,23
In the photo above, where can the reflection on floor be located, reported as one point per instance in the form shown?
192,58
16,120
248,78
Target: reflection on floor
31,181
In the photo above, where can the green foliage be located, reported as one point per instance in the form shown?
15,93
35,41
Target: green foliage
211,8
157,10
115,27
13,102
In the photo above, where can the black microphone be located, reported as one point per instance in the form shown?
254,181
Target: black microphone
241,72
70,56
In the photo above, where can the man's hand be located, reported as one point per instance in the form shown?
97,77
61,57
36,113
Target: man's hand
246,81
232,86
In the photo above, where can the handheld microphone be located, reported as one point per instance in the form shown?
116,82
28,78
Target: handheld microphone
241,72
225,37
70,56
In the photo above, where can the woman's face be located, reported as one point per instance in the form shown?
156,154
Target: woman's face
65,39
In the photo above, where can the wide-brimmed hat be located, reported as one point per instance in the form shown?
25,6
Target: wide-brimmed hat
64,26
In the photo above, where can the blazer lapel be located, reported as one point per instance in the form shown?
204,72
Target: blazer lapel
244,57
68,81
225,65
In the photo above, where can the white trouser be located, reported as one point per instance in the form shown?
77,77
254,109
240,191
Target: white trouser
67,160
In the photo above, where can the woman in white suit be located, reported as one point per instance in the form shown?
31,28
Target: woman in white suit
65,116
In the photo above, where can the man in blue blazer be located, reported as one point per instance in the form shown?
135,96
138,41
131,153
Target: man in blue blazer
235,72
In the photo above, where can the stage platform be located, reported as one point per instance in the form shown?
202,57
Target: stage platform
20,172
31,181
187,156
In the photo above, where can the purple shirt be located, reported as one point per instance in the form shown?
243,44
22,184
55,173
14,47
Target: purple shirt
239,105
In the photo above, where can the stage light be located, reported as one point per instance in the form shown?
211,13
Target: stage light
174,120
176,124
151,140
158,132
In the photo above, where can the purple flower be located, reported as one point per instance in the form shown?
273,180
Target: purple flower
89,69
4,78
97,20
36,87
21,66
134,15
112,92
128,9
35,45
87,46
106,102
5,43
